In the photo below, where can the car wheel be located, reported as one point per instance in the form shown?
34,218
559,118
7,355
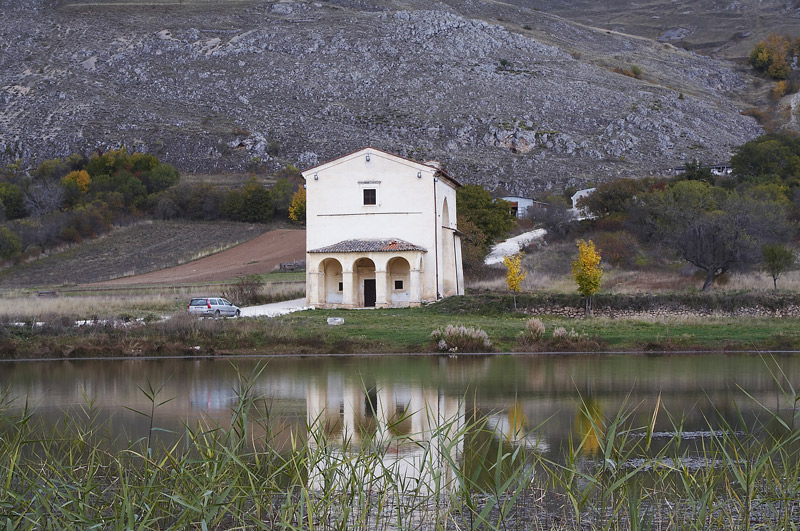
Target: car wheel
238,313
216,314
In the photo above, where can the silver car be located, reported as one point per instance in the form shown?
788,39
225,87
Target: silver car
212,306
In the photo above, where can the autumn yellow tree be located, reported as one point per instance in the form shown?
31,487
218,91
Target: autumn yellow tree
80,178
587,272
297,208
514,274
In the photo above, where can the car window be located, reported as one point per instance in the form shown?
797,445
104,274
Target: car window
198,302
226,302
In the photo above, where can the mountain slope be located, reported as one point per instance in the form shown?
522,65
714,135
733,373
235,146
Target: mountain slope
522,104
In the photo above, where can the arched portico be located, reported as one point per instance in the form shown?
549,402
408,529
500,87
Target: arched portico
332,281
399,279
371,275
365,287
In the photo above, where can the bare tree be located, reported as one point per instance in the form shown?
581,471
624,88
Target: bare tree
43,198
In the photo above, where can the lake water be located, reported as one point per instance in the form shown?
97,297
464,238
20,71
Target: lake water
536,401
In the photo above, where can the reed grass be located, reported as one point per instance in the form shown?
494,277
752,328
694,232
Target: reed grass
610,475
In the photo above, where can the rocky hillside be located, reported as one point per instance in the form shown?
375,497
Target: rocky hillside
517,99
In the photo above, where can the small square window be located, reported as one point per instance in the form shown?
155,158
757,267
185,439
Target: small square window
341,286
398,284
370,196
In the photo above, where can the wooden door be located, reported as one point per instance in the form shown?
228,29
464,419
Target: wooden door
370,293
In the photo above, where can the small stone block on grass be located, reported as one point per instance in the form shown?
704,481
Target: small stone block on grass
335,321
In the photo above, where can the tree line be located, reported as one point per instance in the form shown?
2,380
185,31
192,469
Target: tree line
716,223
72,199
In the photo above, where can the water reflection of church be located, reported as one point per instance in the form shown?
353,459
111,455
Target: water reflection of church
420,431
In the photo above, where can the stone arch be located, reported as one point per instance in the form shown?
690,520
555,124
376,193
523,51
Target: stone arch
447,267
399,271
332,281
364,287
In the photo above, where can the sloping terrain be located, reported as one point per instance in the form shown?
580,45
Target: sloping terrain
507,96
138,249
721,28
257,256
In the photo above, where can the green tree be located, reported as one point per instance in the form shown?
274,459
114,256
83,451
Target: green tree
715,230
515,274
51,170
695,171
160,177
253,203
282,193
778,260
13,199
588,272
491,216
133,190
769,158
612,197
10,244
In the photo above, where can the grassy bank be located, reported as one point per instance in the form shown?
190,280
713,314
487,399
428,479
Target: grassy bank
614,473
385,331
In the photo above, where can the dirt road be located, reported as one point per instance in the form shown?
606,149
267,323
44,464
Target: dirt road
257,256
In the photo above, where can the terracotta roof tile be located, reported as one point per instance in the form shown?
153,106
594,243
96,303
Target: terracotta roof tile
369,246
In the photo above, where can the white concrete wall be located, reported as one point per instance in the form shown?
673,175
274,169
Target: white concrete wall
409,202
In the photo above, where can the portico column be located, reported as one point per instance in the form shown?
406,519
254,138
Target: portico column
415,289
385,412
317,405
353,400
348,278
382,295
311,284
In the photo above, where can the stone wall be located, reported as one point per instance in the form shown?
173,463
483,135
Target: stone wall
665,311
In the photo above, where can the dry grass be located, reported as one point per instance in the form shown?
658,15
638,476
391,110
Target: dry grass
639,281
85,307
135,301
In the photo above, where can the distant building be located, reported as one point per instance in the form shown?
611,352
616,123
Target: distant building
519,205
380,232
719,170
580,213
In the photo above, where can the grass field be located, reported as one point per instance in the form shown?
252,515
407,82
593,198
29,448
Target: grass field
382,331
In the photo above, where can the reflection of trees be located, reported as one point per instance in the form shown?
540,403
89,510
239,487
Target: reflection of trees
414,436
589,425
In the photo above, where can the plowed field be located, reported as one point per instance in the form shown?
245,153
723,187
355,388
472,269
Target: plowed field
257,256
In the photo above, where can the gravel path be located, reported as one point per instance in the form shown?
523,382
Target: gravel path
512,246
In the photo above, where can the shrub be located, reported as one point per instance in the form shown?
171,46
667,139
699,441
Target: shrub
533,333
618,248
10,245
461,338
246,290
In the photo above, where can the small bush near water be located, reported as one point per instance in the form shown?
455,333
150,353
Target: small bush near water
460,338
533,338
533,333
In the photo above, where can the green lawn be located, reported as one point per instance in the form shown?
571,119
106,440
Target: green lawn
408,330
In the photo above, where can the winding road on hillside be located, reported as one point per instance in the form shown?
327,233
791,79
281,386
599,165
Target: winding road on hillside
257,256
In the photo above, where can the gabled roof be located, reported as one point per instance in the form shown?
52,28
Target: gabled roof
427,165
369,246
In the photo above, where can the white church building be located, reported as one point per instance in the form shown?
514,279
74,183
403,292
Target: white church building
380,232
